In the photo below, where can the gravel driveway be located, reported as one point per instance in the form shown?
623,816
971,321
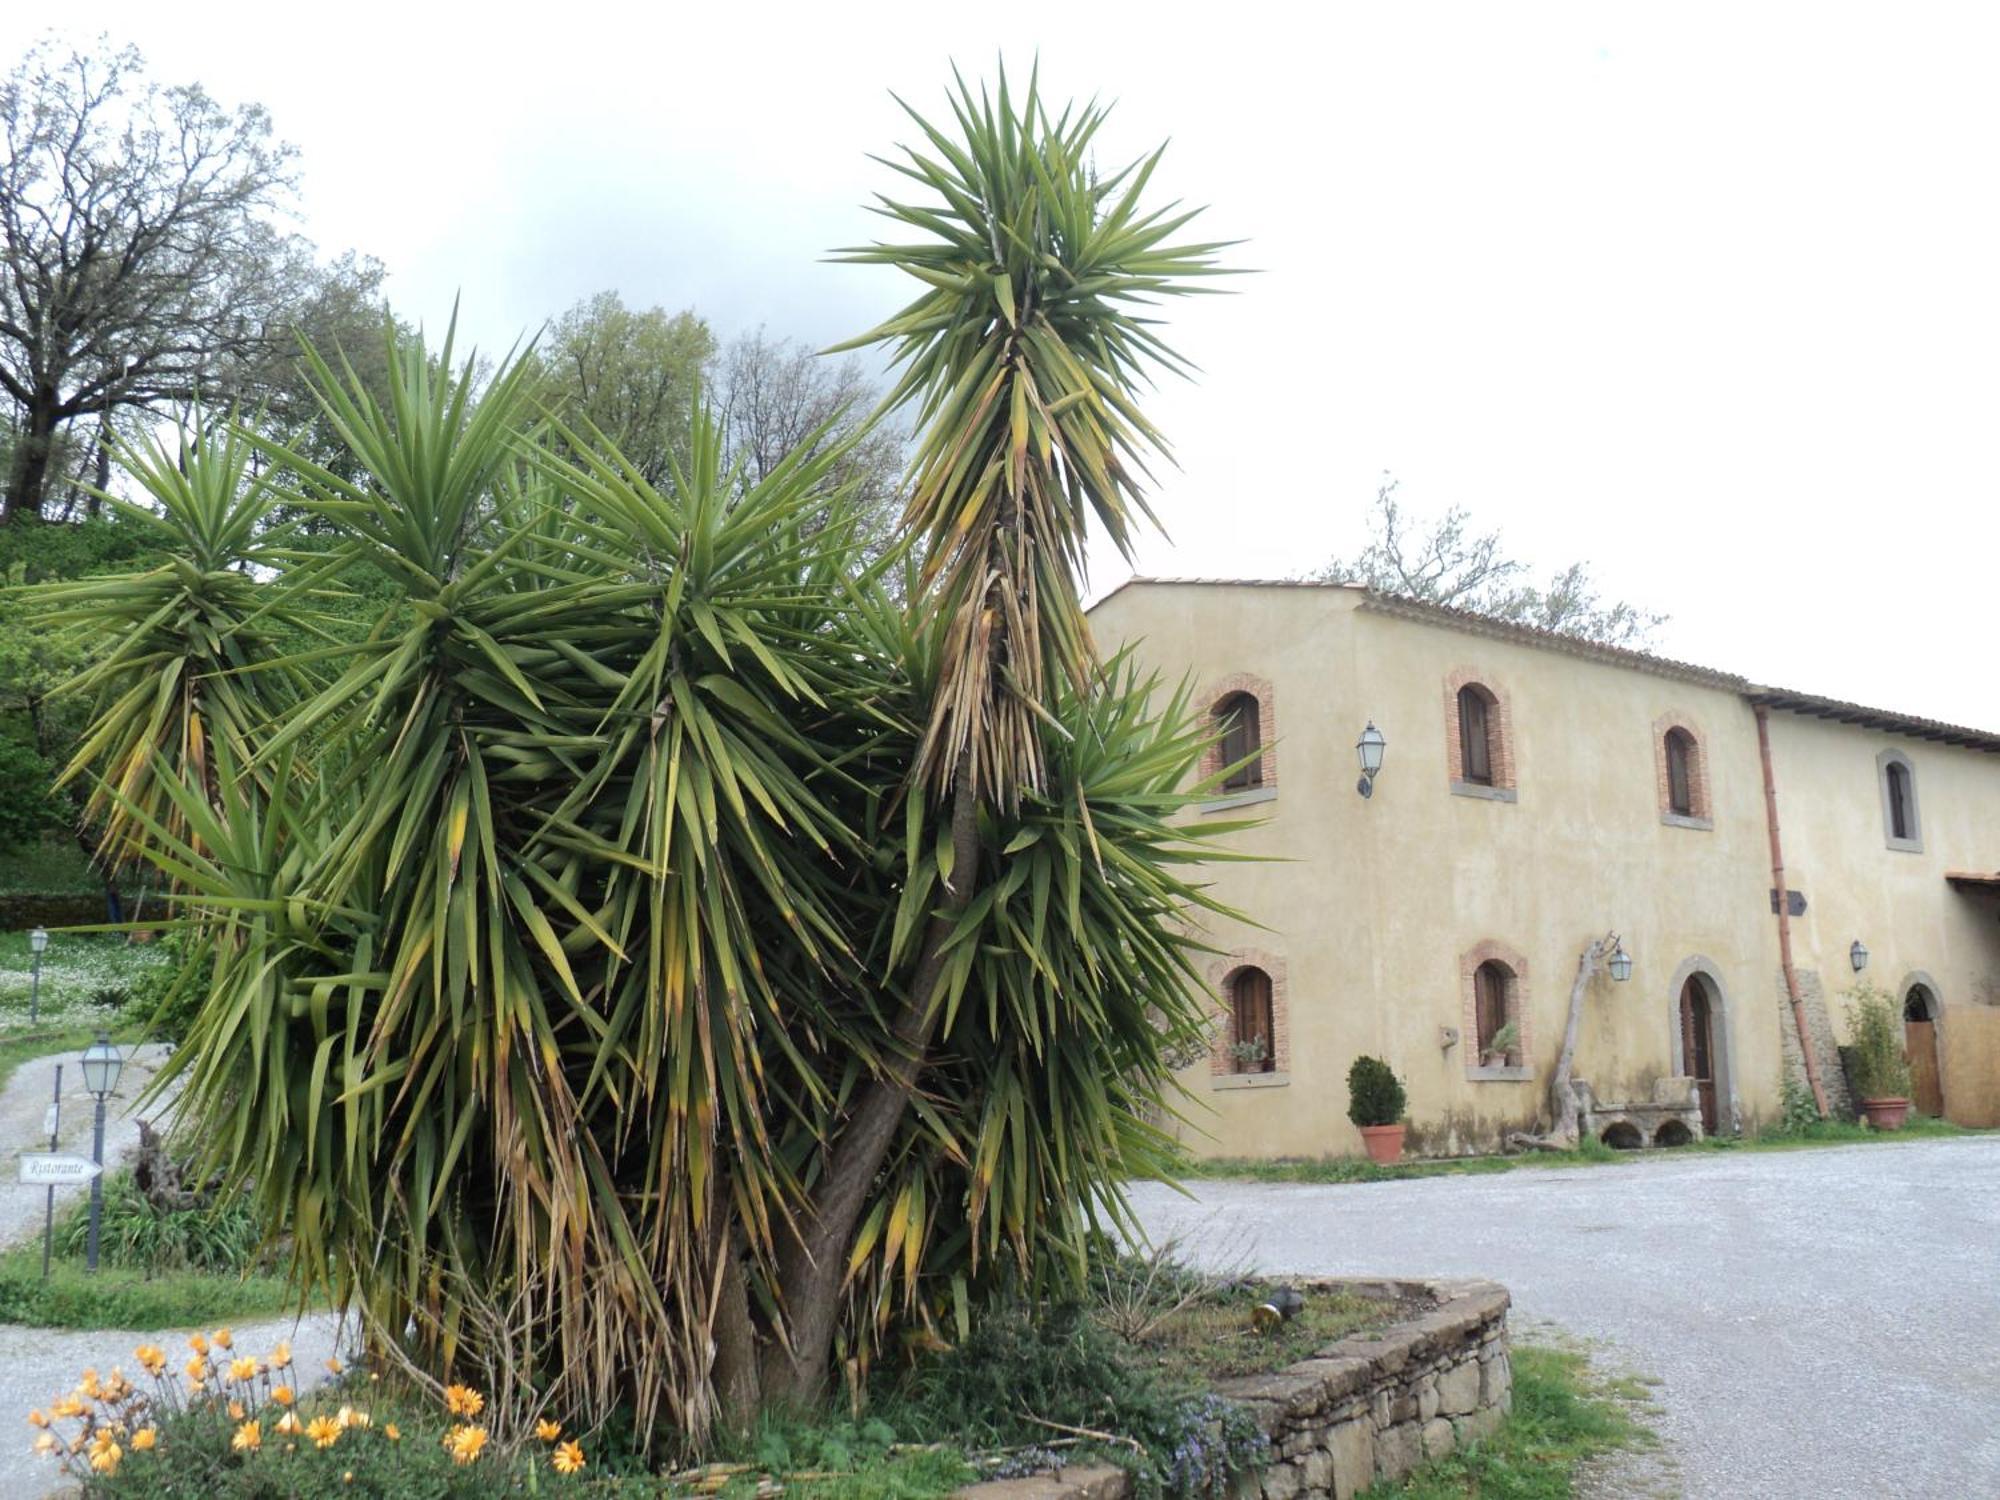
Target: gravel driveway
1825,1323
39,1364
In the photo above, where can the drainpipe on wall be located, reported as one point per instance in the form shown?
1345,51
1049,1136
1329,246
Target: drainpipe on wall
1785,908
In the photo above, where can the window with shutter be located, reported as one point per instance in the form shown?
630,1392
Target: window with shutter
1252,1033
1489,984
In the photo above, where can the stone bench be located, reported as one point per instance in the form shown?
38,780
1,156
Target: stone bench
1671,1118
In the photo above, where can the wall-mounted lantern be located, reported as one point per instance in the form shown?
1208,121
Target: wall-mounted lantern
1621,965
1369,748
1858,956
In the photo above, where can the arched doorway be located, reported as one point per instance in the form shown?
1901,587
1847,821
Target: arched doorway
1920,1014
1698,1054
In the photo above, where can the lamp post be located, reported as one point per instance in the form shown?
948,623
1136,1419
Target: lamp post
38,942
1369,749
1858,956
1621,965
102,1063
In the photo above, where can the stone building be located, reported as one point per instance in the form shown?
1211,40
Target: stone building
1538,791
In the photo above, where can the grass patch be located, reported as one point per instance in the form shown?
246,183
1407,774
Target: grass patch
1562,1416
23,1045
81,975
1589,1153
117,1297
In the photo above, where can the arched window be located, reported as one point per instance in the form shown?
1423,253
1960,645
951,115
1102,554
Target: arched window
1252,1034
1680,772
1475,735
1902,823
1239,718
1492,1009
1902,816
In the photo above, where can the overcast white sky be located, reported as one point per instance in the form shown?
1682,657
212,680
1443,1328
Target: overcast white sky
1706,294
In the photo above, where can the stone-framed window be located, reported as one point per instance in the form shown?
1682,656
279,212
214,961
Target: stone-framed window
1242,710
1902,825
1251,996
1493,979
1680,773
1479,737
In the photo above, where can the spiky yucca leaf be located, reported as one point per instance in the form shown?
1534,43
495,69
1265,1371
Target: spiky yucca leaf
1023,358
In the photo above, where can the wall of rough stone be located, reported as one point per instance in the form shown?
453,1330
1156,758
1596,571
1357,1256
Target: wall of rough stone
1826,1051
1368,1408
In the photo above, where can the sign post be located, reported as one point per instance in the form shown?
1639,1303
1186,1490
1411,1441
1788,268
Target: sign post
49,1219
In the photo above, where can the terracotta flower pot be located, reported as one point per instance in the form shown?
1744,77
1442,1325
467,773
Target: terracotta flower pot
1886,1114
1384,1143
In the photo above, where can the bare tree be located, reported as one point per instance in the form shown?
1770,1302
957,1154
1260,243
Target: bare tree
1445,562
775,393
139,255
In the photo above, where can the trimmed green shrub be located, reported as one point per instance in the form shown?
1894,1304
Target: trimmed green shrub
1374,1093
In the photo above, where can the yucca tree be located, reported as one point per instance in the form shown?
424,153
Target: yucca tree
1022,359
191,665
615,982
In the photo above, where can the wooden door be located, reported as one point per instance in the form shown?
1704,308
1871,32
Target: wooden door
1926,1090
1698,1049
1920,1046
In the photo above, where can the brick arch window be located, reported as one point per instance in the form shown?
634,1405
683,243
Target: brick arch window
1479,736
1241,708
1680,772
1251,1001
1901,826
1494,978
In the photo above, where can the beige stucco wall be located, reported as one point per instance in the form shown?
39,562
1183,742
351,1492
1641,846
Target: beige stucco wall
1896,901
1369,904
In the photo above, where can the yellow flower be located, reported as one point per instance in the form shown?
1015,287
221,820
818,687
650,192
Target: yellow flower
249,1437
347,1416
46,1443
243,1367
152,1357
283,1395
196,1367
463,1400
197,1343
548,1431
143,1439
332,1365
465,1443
236,1411
36,1419
288,1424
393,1433
69,1406
282,1355
90,1386
324,1432
223,1338
568,1458
106,1459
348,1477
117,1388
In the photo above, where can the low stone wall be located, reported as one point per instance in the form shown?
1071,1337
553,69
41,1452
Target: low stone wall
1370,1407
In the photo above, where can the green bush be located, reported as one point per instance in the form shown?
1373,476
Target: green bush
28,805
165,997
1877,1061
1374,1093
221,1238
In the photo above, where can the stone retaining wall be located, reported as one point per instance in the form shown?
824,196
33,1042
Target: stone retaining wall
1373,1406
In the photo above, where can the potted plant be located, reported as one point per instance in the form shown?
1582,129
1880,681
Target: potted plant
1500,1049
1253,1056
1375,1103
1876,1060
